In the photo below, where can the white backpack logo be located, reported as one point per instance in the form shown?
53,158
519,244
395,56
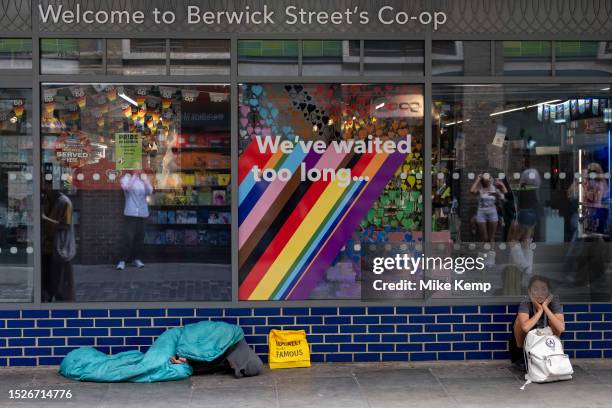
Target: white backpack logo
545,359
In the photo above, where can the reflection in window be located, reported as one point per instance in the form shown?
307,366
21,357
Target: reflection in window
393,57
16,206
460,58
15,53
521,174
199,57
583,58
523,58
267,57
136,56
303,238
138,177
329,57
71,56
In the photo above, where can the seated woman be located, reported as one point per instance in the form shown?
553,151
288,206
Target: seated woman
541,309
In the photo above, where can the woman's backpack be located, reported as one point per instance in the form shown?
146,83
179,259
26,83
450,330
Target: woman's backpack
544,357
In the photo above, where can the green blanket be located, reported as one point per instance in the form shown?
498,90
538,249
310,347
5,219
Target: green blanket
202,341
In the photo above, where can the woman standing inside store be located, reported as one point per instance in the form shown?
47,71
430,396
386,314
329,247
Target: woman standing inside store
136,188
59,246
489,191
521,232
585,259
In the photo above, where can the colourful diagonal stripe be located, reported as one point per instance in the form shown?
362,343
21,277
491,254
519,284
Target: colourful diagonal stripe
379,177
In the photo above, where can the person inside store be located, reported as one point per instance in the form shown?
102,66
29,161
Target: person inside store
489,192
136,189
540,309
58,246
521,231
585,258
595,190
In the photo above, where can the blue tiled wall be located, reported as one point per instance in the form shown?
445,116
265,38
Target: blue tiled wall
336,334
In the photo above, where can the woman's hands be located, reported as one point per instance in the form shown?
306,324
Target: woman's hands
541,307
547,301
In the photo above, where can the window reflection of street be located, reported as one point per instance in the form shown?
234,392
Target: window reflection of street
550,147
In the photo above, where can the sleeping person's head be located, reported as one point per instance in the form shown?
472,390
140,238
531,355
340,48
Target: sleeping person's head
538,288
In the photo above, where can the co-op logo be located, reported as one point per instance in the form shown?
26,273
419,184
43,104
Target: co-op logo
409,105
414,107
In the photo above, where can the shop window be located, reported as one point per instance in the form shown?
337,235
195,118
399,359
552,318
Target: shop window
330,57
523,58
521,178
15,53
306,216
393,57
139,175
71,56
461,58
267,57
136,56
199,57
583,58
16,196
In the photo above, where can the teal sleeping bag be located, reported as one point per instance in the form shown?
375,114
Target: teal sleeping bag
202,341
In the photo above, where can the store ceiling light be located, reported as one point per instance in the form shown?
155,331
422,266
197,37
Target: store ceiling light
127,98
544,103
524,107
605,89
456,123
380,105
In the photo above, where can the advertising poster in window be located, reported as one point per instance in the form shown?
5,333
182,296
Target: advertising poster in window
128,151
323,170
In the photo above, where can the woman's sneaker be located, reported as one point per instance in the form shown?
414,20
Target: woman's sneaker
138,263
121,265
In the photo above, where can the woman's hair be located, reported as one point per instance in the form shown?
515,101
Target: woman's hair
486,178
595,171
595,168
538,278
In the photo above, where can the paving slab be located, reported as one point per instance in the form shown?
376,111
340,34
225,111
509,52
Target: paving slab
472,384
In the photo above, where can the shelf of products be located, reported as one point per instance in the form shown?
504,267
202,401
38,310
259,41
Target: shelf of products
16,158
189,216
179,137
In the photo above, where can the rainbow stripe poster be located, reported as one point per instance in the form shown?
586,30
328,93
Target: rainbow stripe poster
304,211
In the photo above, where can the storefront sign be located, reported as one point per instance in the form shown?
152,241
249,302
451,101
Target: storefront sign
401,106
128,151
243,16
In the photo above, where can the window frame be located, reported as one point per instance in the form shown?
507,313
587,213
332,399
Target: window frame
34,80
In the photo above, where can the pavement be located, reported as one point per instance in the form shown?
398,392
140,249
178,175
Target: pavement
429,384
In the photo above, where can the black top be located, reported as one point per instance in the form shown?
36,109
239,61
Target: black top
527,307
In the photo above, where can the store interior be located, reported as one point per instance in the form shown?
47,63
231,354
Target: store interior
178,138
502,131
